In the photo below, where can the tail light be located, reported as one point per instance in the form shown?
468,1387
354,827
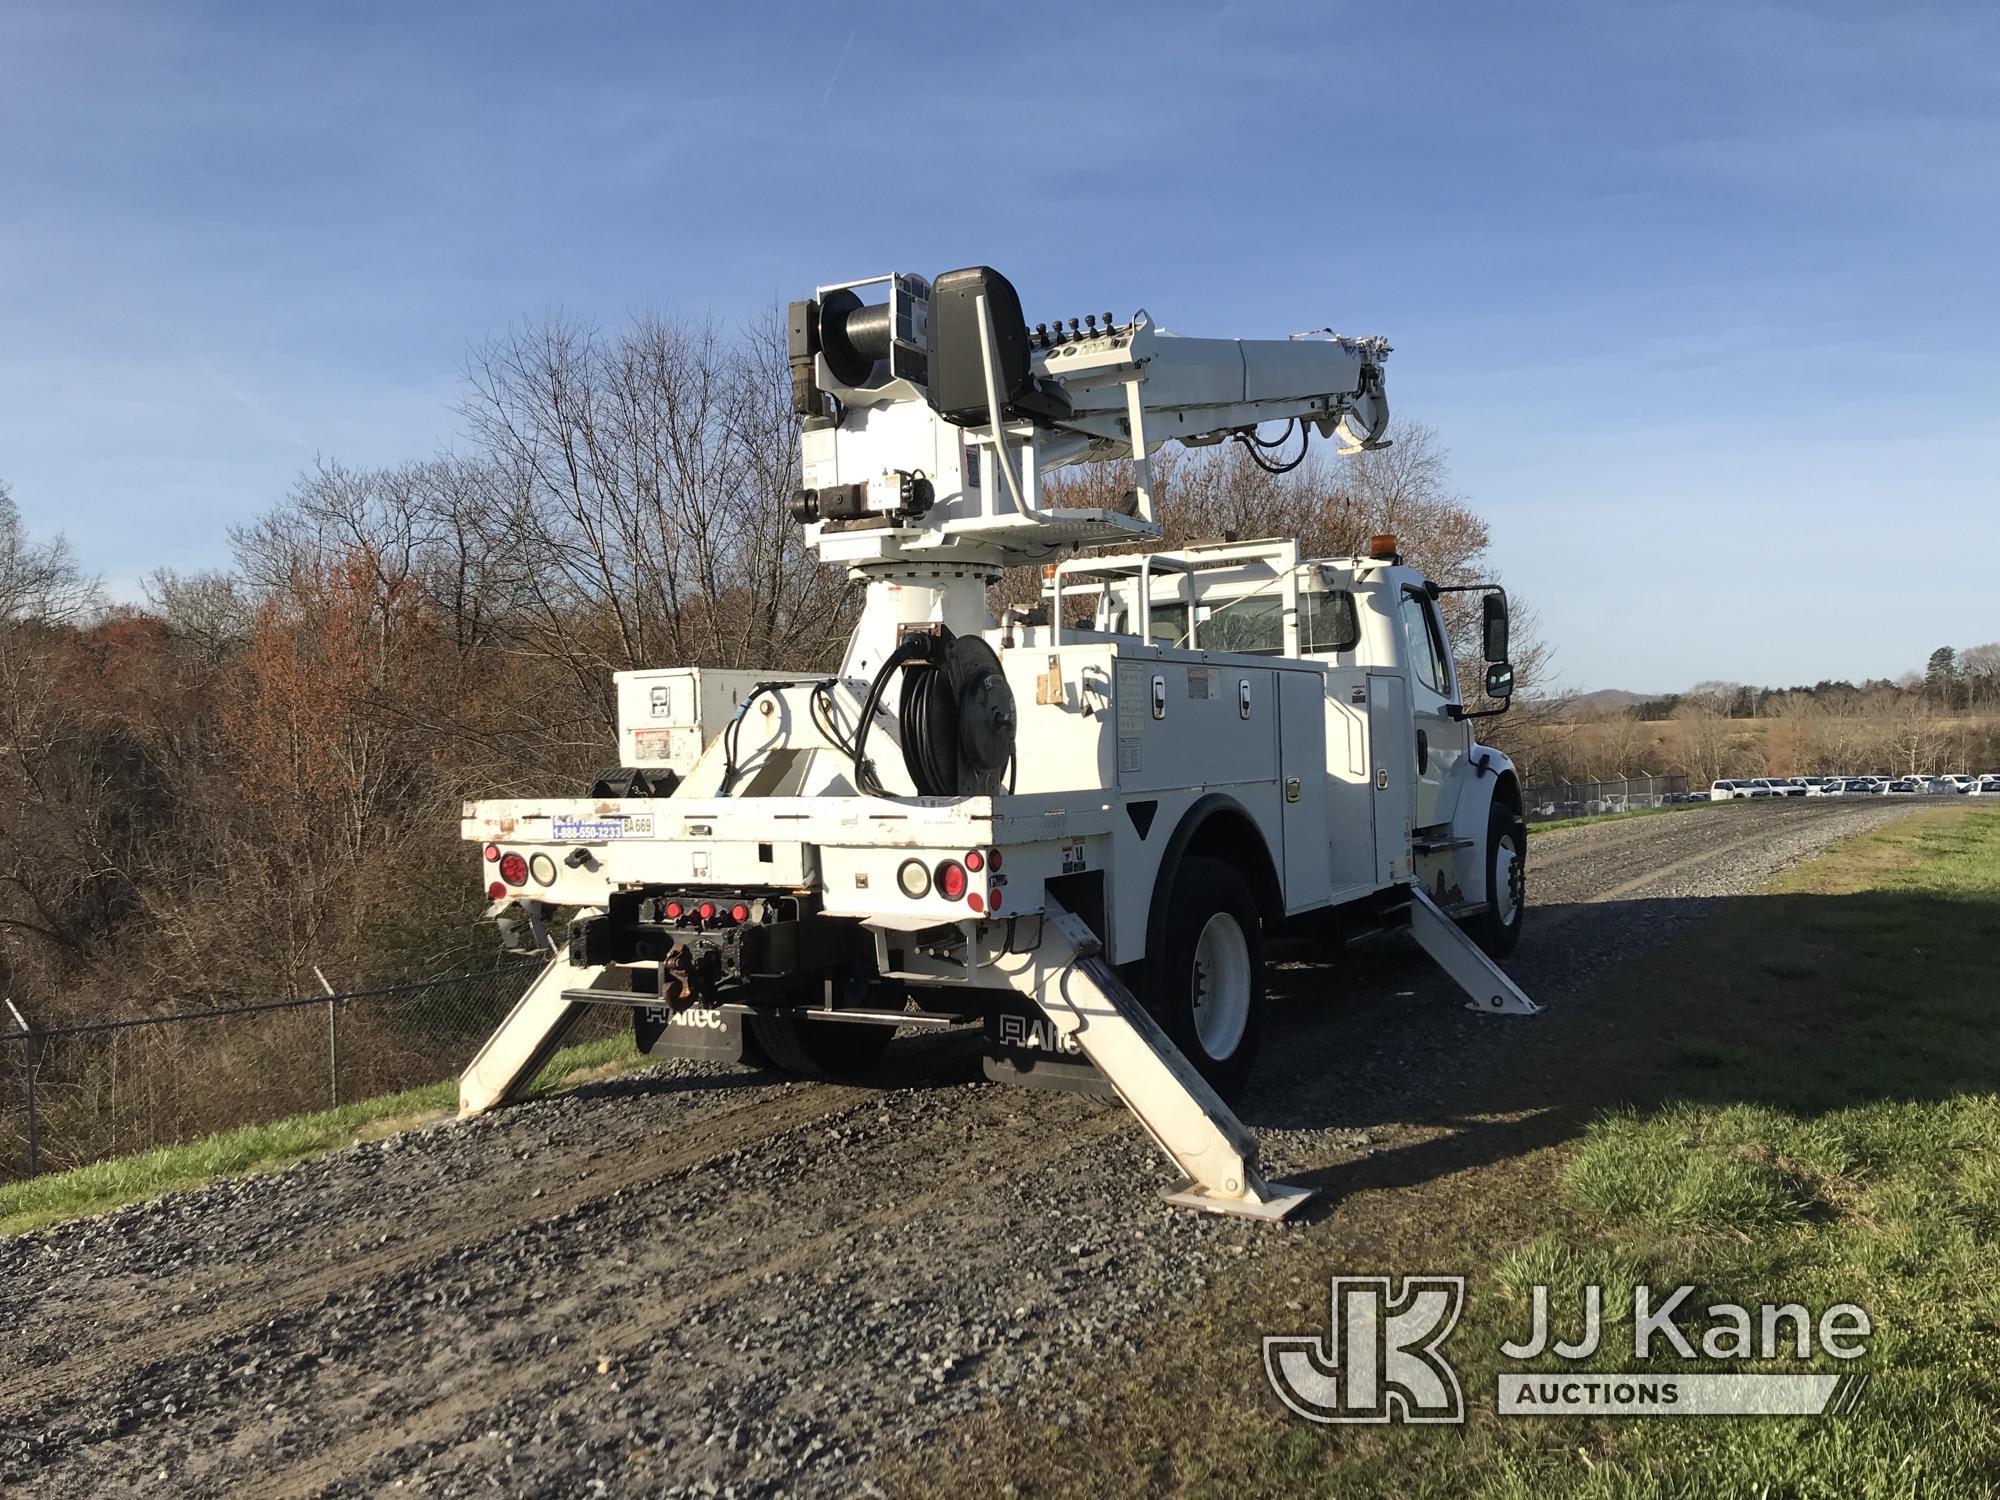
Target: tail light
705,910
739,913
975,861
976,901
674,911
495,891
492,853
951,880
514,868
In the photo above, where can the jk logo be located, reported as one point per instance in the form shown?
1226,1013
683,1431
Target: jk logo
1379,1362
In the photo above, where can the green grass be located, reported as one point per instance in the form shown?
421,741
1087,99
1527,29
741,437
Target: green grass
249,1149
1549,825
1798,1102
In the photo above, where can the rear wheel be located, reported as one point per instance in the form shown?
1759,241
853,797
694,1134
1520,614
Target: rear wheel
1206,986
819,1049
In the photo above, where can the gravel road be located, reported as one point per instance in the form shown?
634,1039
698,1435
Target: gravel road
704,1281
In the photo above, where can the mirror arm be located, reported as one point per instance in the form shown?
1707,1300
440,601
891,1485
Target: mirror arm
1435,589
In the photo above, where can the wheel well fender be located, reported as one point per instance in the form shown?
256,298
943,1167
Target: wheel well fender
1498,786
1217,826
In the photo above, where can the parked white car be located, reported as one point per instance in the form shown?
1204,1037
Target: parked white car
1986,786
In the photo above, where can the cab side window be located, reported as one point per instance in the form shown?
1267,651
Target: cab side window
1328,622
1425,644
1249,626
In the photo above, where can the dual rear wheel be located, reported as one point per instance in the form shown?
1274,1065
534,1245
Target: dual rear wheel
1206,985
1205,988
819,1049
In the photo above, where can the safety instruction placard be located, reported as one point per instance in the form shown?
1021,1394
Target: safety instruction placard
1134,688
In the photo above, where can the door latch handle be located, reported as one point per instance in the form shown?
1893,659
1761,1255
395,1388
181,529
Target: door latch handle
1423,752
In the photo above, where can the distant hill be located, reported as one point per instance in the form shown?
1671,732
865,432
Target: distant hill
1612,698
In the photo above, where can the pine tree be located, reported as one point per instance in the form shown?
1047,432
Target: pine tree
1941,677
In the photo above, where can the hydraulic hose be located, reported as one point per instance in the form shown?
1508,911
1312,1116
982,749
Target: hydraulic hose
911,649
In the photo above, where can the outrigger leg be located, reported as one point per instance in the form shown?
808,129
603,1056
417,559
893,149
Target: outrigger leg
1067,976
526,1040
1489,990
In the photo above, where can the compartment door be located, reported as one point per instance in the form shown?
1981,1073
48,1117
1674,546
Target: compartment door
1393,753
1302,767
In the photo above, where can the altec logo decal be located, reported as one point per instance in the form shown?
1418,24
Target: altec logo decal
1035,1035
1381,1361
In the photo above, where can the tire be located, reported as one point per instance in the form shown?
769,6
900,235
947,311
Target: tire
819,1049
1206,986
1498,928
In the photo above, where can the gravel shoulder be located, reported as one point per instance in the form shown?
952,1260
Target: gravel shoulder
702,1281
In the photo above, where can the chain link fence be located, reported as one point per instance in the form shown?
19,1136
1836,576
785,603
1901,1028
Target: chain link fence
1585,799
74,1094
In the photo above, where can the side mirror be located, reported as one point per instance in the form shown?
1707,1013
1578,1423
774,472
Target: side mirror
1500,676
1496,635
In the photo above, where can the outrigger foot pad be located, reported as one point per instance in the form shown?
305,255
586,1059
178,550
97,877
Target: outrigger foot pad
1269,1201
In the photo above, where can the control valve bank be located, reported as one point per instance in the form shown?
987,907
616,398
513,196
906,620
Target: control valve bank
1072,826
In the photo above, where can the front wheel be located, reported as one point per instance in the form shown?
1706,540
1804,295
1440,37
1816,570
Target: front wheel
1206,985
1498,928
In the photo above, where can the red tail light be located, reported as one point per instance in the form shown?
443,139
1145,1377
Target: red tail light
951,881
705,910
992,859
974,860
976,901
514,868
492,853
674,910
994,901
495,891
739,913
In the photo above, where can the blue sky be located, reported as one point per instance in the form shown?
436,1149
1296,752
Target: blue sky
1701,298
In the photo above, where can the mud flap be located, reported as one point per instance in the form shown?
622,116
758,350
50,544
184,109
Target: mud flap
707,1034
1022,1047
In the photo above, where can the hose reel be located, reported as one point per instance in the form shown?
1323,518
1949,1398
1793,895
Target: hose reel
956,712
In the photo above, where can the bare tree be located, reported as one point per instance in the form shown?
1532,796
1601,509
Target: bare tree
648,477
40,582
1980,667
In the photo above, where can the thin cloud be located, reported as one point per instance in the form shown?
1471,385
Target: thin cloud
847,48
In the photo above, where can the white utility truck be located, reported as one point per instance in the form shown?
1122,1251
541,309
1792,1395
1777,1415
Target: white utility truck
1073,826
